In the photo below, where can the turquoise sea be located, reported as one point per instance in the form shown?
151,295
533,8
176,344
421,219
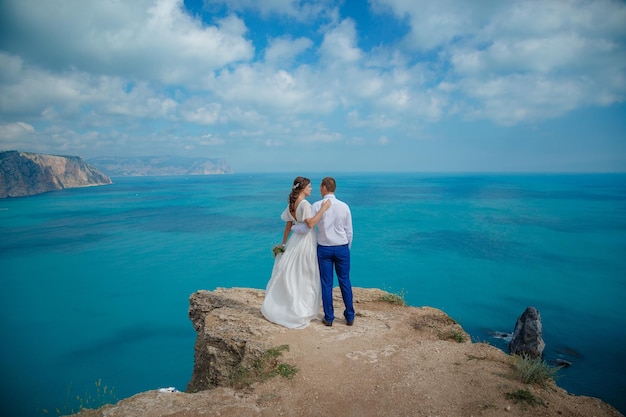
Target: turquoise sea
96,281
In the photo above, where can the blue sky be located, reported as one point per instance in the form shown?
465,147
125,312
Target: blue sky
320,85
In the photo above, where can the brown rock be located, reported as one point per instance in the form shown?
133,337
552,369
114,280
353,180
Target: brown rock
24,174
394,361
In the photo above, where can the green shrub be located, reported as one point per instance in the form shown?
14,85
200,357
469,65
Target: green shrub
533,370
456,335
451,334
397,299
266,366
524,396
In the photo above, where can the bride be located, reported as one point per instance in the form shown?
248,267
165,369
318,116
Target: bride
293,293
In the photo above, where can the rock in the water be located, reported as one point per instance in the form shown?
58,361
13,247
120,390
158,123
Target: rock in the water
527,337
562,363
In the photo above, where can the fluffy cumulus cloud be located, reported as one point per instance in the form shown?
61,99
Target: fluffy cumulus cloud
519,61
283,51
231,77
154,40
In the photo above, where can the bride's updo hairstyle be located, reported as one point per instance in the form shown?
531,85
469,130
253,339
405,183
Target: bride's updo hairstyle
298,185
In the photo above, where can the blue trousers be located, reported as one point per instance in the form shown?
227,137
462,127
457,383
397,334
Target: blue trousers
337,258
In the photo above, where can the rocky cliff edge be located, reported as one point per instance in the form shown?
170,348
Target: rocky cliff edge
24,174
394,361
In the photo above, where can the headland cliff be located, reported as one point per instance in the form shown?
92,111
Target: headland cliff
23,173
394,361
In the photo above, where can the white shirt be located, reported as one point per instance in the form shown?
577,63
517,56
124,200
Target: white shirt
335,227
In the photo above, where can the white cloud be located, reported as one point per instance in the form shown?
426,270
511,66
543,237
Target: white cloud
202,114
35,90
145,74
397,99
206,140
373,121
339,45
275,92
537,98
283,51
71,93
437,23
25,137
16,130
523,60
142,39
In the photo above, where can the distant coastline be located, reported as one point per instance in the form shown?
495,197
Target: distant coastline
160,165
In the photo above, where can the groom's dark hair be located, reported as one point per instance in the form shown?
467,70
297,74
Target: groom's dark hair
330,184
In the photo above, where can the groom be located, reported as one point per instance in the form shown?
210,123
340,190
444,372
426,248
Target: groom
334,240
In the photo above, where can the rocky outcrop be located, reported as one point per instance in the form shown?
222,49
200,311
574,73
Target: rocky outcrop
527,336
23,173
394,361
165,165
221,350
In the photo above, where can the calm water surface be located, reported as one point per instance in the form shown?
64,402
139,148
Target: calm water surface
96,281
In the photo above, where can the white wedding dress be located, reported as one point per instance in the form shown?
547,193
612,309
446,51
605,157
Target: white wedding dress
293,293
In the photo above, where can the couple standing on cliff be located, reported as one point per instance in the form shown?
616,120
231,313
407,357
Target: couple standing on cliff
303,274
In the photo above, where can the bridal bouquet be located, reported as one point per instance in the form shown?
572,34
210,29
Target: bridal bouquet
278,249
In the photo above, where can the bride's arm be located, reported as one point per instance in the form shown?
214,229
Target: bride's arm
286,232
312,221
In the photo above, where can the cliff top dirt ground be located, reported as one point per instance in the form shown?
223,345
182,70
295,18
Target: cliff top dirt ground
394,361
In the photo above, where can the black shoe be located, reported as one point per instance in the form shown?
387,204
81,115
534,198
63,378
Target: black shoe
350,323
327,323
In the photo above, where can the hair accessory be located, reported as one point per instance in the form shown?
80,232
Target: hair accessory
295,186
